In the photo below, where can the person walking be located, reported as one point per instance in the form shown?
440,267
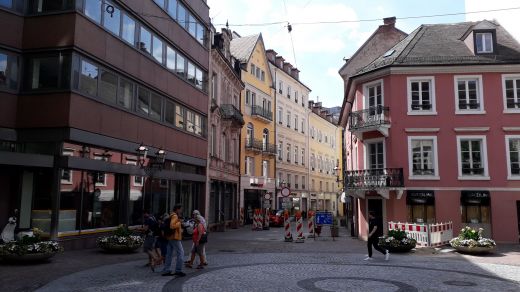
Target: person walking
373,237
203,221
173,232
199,242
150,228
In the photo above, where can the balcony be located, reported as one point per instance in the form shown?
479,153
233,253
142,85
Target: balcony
372,119
374,179
231,113
254,145
261,113
269,149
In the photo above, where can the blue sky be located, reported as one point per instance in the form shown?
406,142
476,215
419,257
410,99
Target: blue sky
319,49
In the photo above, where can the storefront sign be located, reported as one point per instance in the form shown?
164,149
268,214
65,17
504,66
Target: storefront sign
256,185
420,197
475,197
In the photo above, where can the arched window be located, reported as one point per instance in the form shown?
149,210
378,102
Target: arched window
265,139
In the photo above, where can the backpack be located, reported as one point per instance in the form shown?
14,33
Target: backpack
167,231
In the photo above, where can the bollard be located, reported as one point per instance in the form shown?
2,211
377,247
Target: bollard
310,224
299,228
287,226
266,219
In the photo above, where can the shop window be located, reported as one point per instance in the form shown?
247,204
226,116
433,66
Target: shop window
420,206
475,207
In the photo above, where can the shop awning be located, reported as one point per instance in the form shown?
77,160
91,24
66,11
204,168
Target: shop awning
420,197
475,197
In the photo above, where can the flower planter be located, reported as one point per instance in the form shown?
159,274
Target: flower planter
122,241
474,249
29,257
117,248
402,248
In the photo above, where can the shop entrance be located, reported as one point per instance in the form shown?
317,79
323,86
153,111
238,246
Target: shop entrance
376,206
252,200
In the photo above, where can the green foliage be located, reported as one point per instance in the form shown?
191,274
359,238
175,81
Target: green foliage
397,234
470,233
122,231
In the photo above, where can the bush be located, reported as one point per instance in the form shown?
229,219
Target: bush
470,237
396,239
397,234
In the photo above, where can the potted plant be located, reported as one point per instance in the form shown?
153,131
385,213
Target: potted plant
122,240
471,241
30,248
397,241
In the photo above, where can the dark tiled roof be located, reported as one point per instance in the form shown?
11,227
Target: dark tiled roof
243,47
443,44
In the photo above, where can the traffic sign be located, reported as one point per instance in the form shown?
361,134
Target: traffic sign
267,196
267,205
286,200
285,192
323,218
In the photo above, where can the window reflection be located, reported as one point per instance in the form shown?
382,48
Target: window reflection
128,31
112,21
93,10
88,79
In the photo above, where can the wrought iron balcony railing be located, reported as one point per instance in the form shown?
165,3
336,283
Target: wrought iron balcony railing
371,117
254,144
269,149
230,112
257,110
374,178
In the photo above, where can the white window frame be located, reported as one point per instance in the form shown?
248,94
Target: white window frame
250,165
365,92
296,153
280,150
412,176
484,156
365,151
480,94
510,176
67,152
481,38
433,110
504,78
265,168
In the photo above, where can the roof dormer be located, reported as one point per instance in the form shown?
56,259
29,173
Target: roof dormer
481,38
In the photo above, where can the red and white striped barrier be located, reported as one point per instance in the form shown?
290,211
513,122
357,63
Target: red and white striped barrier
260,219
287,227
310,224
255,220
299,228
266,219
426,234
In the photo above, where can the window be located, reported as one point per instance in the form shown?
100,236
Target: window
213,141
265,168
303,182
170,58
303,156
100,178
172,8
190,121
312,132
128,31
296,181
296,96
475,207
143,100
181,15
484,42
374,97
468,94
511,85
180,113
288,119
180,67
42,72
112,21
88,79
280,87
214,84
257,74
108,86
375,155
199,79
249,135
513,157
265,139
93,10
289,180
420,206
250,165
253,69
262,77
422,157
296,153
288,92
169,112
313,162
280,150
295,122
191,72
280,115
288,152
66,174
138,180
157,49
303,126
224,147
8,71
201,33
421,95
160,3
192,25
145,40
6,3
472,156
248,97
126,93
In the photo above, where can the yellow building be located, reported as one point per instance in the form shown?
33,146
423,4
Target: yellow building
325,160
257,148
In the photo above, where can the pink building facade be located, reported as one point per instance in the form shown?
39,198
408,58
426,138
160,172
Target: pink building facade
434,131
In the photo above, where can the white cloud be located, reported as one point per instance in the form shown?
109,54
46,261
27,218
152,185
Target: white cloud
507,18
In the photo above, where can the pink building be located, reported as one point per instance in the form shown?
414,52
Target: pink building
434,130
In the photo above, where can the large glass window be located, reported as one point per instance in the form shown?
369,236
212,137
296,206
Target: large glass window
172,8
93,9
169,112
420,206
8,71
156,106
128,31
198,78
170,58
112,21
475,207
157,49
180,113
6,3
126,93
181,15
3,70
42,72
143,100
108,86
180,67
89,78
192,25
190,126
145,40
201,33
191,72
422,156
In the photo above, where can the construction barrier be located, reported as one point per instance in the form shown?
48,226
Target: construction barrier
310,224
437,234
287,227
299,228
260,219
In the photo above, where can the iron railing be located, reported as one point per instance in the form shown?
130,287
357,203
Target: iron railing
257,110
254,144
269,149
374,178
230,112
371,117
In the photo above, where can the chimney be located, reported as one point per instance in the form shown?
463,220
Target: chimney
390,21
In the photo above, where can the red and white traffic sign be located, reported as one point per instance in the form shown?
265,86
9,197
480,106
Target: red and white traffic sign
285,192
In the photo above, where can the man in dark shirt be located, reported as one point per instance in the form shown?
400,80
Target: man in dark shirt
375,230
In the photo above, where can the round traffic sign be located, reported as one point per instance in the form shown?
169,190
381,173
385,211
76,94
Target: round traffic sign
285,191
267,196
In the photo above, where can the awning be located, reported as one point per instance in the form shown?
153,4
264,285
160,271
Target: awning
135,195
414,197
475,197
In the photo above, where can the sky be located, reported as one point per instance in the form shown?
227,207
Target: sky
318,50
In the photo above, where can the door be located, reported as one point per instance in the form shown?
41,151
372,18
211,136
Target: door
376,156
375,101
376,206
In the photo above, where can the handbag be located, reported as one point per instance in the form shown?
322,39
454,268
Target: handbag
204,238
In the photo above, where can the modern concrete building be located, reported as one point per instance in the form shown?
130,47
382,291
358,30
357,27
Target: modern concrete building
103,112
292,115
325,149
257,148
433,130
225,124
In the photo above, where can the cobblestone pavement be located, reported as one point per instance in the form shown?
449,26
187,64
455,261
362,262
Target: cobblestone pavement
242,260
